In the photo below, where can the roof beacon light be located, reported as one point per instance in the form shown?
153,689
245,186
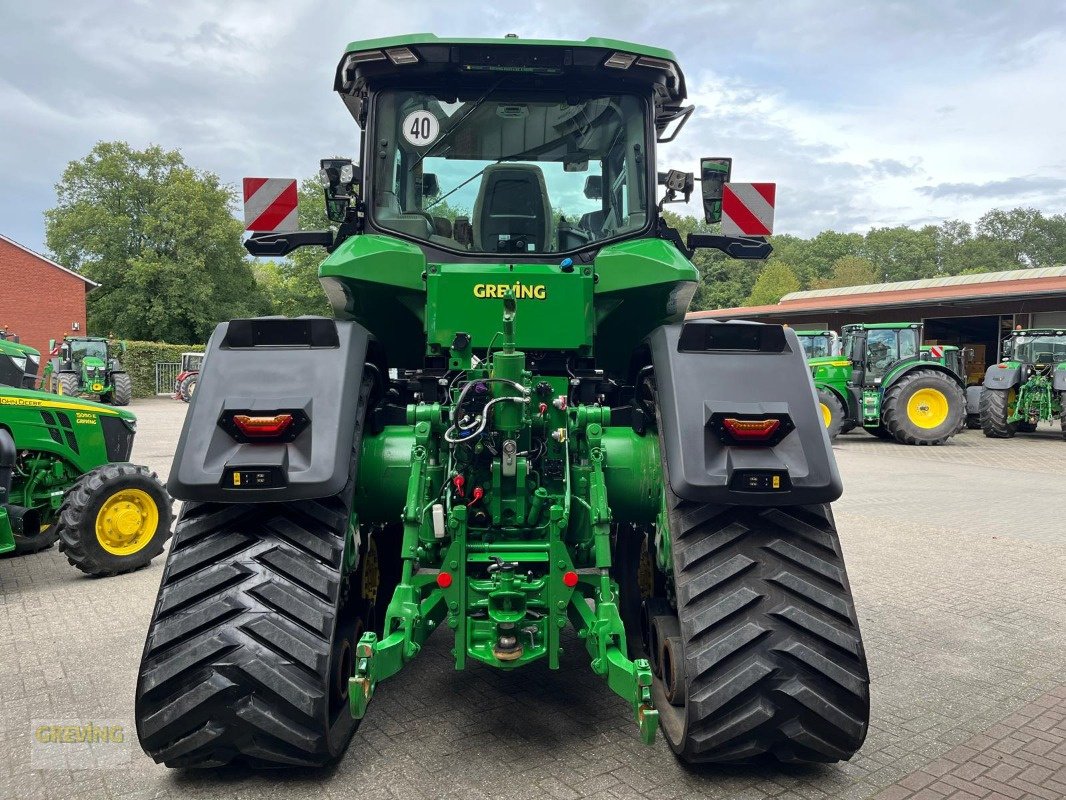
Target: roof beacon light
401,55
620,61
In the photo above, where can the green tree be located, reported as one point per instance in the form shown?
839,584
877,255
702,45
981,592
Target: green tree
159,237
775,281
848,271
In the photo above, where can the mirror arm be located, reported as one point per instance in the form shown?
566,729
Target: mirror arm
733,246
281,244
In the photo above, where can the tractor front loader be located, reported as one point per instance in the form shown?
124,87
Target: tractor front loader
64,475
88,365
1028,386
508,429
891,385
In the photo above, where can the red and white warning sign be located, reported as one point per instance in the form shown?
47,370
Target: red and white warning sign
748,209
936,351
270,204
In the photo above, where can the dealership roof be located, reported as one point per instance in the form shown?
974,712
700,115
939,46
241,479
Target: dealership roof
1015,283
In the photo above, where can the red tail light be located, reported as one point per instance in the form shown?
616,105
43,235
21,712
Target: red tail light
751,430
263,427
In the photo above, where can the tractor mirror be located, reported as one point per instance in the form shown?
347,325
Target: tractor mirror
858,349
337,176
430,184
594,187
51,345
714,175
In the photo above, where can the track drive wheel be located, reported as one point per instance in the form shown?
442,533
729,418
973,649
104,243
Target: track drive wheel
832,412
252,639
123,391
924,407
995,409
115,519
771,659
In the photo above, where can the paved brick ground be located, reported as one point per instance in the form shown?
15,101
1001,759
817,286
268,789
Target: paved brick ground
958,560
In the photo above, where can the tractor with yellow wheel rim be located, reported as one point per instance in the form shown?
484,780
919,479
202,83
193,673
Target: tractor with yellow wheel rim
65,476
891,385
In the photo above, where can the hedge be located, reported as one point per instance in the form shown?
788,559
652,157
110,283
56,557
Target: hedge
140,359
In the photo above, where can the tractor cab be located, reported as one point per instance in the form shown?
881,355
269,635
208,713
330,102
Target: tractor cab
87,365
819,344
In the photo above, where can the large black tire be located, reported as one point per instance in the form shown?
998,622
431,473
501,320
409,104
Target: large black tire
881,432
68,384
774,664
1062,414
35,544
995,405
895,408
123,391
80,515
831,407
251,642
188,386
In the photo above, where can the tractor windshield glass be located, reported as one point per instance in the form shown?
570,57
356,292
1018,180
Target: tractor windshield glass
507,171
79,350
1044,349
817,346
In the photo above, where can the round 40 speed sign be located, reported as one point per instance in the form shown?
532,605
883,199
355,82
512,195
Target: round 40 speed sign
420,128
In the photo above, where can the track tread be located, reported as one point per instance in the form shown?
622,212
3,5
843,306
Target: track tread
248,607
773,655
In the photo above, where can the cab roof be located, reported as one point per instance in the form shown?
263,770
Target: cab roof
425,57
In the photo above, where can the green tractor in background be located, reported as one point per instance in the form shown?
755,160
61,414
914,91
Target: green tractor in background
509,428
18,362
891,385
1028,386
64,475
88,365
819,344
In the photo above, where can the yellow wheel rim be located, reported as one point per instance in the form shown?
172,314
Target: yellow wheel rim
927,408
126,522
827,415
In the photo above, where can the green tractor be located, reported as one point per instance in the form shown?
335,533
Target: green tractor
18,362
64,475
509,428
1028,386
891,385
819,344
88,365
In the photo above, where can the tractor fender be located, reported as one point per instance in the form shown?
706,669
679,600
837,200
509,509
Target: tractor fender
1058,378
707,371
1002,376
926,366
310,366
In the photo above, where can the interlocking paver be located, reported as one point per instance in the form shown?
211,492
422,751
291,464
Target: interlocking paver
960,593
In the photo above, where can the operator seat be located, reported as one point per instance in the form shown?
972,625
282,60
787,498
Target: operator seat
512,213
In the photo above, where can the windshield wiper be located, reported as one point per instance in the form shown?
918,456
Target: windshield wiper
458,123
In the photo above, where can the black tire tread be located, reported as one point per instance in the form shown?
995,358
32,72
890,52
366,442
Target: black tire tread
237,661
894,417
994,414
836,412
25,545
773,654
71,525
69,383
123,389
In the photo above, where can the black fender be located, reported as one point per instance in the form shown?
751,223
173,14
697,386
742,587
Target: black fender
312,366
1002,376
706,371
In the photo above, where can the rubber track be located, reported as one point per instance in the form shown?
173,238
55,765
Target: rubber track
773,655
893,414
237,662
994,414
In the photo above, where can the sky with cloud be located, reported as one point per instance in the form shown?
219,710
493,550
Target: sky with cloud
866,114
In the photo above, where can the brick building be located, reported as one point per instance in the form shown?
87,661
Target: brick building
40,299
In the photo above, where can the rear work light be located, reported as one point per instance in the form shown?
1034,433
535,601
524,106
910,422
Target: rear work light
620,60
266,427
763,430
401,55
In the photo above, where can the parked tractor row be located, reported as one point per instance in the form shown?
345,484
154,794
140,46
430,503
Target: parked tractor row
881,378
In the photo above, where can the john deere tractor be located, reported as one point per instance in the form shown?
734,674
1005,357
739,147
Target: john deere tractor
64,475
1028,386
18,362
891,385
819,344
508,429
88,365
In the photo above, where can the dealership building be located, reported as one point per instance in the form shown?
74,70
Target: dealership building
973,311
